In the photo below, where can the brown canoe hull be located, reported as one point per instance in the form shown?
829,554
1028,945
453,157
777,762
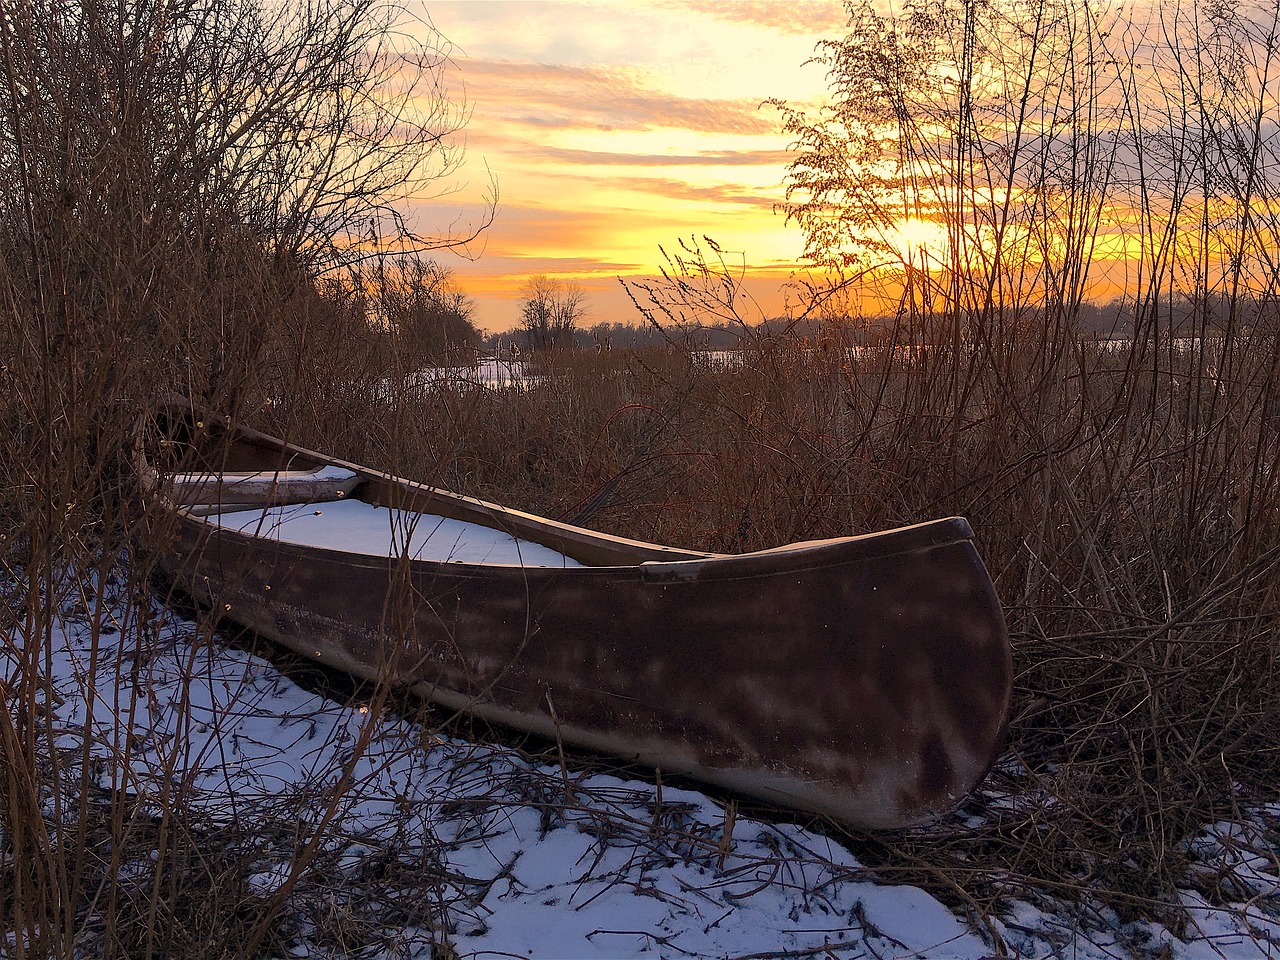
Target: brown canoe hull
865,678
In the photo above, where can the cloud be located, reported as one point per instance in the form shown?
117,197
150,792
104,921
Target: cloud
721,193
799,17
736,194
599,98
524,231
578,267
718,158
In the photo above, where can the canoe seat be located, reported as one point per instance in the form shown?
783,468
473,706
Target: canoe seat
216,492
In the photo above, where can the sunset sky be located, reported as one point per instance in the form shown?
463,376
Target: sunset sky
614,127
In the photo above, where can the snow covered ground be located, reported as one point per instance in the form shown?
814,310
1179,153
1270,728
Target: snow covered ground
436,839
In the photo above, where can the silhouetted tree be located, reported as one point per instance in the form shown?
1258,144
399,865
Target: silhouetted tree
551,312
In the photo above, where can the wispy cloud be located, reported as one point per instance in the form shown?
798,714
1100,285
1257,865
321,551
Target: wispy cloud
578,267
523,232
600,98
723,158
798,17
716,193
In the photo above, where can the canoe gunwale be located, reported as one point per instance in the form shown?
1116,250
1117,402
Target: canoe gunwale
792,558
655,560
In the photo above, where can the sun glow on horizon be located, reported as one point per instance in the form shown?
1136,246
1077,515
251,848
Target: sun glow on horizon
919,241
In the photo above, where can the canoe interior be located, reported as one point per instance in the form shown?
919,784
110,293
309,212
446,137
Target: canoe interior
227,470
242,468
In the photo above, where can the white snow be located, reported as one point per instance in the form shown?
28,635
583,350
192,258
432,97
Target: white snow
524,858
358,527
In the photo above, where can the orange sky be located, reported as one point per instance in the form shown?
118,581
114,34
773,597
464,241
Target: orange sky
613,127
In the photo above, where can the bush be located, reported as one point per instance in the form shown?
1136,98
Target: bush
175,180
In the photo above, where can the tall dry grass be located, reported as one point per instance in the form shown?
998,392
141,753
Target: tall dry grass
1124,498
1124,494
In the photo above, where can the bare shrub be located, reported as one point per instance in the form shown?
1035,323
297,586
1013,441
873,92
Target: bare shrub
173,180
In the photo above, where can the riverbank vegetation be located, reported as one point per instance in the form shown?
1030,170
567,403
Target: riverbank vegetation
1125,489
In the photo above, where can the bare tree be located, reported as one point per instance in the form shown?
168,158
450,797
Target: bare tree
178,172
551,311
305,123
980,172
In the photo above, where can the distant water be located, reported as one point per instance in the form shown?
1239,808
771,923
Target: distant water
489,372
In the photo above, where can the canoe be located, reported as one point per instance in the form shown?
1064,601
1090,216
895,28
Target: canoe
866,678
